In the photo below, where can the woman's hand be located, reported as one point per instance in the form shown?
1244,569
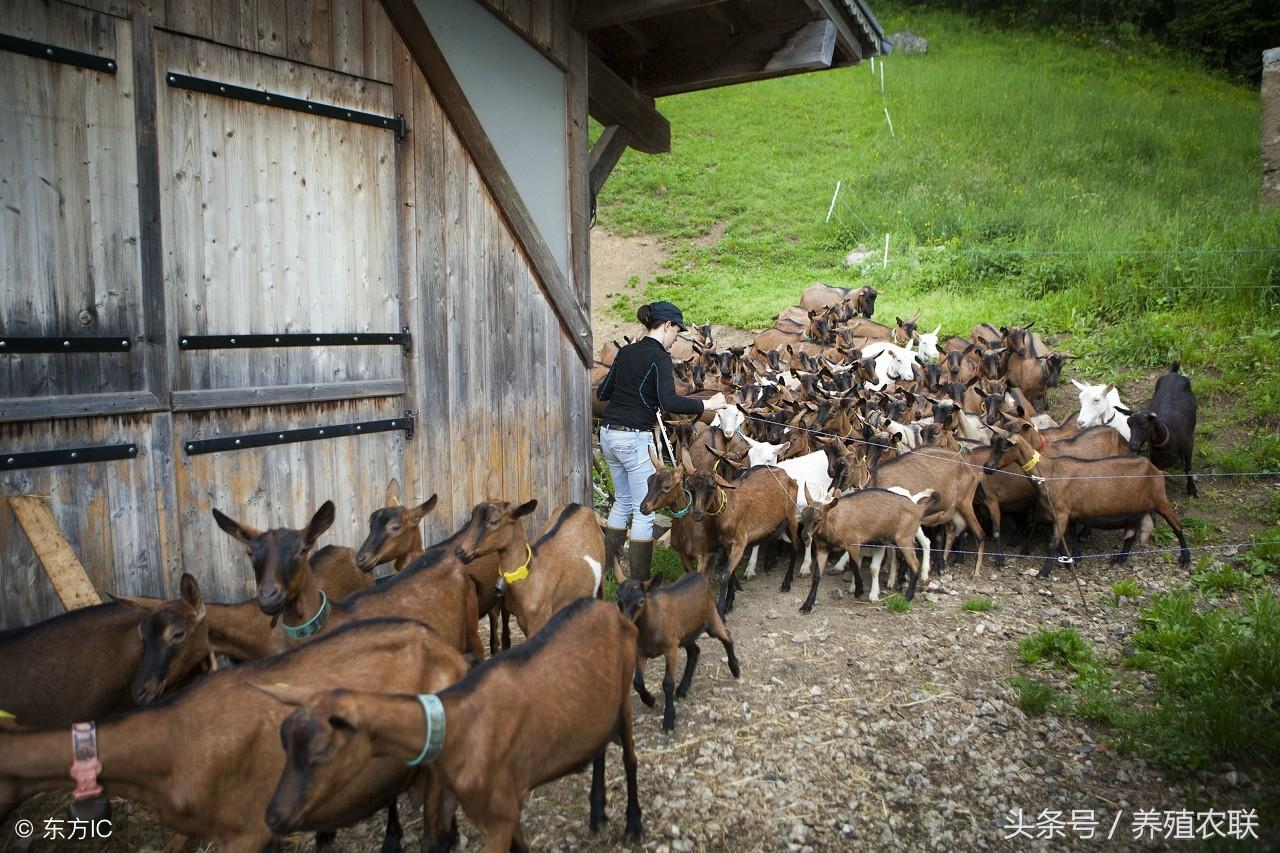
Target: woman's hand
716,403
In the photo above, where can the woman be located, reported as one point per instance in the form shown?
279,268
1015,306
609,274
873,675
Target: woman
639,383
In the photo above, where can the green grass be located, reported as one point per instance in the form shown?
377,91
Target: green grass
1106,192
981,604
1215,579
896,603
1128,589
1060,647
666,565
1219,675
1036,697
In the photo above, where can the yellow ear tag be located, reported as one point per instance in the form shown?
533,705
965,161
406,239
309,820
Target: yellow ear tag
5,715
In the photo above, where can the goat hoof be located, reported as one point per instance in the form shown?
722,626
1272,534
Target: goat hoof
806,608
682,692
634,830
786,587
648,700
668,726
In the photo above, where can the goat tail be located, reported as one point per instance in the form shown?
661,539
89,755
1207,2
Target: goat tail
981,493
1176,367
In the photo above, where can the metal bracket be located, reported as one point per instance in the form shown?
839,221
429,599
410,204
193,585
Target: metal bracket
70,456
39,50
67,344
412,418
271,99
292,436
363,339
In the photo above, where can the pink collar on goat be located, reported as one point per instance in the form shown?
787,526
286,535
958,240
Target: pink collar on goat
86,766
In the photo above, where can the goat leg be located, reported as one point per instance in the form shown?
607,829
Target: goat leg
669,689
1192,491
645,696
391,839
634,829
324,841
807,606
717,629
598,816
691,652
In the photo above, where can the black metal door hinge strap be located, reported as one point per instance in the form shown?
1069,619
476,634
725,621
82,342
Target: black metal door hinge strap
70,456
291,436
10,344
39,50
361,339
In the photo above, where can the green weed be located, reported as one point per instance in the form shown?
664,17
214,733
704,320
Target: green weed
981,604
1127,589
1036,697
897,604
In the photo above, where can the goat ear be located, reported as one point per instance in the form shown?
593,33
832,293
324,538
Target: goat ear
420,511
320,522
191,595
783,448
1004,330
686,462
1029,325
723,483
235,528
286,693
525,508
1122,410
392,495
1111,386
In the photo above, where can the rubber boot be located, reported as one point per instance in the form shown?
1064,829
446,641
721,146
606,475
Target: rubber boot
641,558
614,539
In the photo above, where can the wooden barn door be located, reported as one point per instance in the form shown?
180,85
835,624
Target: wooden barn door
279,221
79,424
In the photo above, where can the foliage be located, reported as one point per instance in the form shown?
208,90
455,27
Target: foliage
1036,697
1059,647
981,604
896,603
1127,589
1227,36
1216,579
1219,676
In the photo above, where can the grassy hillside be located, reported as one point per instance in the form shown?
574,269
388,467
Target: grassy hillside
1108,194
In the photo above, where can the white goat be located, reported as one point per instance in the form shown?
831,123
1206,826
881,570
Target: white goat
1098,404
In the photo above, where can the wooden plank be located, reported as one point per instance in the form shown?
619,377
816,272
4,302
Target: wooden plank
379,39
457,294
596,16
79,406
156,319
348,36
810,48
580,193
273,27
192,17
309,32
276,395
235,23
613,101
422,448
849,40
426,53
605,154
68,577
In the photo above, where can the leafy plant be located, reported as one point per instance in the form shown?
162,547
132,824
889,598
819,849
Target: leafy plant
896,603
981,604
1036,697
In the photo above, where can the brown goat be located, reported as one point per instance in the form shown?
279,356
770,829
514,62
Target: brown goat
872,517
1112,492
956,482
84,664
395,537
564,564
669,619
206,761
744,513
523,718
434,588
692,540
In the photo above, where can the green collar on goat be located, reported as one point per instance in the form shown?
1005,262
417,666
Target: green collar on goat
312,625
433,741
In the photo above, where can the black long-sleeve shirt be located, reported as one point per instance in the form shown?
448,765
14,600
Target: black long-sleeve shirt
640,382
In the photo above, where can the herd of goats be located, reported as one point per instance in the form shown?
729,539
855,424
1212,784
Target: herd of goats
847,436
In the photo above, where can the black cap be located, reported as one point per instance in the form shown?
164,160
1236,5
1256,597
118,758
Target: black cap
665,312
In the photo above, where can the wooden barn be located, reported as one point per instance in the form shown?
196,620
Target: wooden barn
258,254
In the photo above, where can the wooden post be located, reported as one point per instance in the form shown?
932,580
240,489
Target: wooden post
1271,126
68,577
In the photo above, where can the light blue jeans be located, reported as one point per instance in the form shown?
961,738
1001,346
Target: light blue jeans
630,467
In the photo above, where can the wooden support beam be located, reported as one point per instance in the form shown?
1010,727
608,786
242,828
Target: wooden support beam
611,100
598,14
811,47
413,30
605,154
758,56
831,9
68,577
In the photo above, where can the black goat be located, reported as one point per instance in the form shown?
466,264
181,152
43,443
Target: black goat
1168,423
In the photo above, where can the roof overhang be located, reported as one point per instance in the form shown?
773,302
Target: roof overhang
644,49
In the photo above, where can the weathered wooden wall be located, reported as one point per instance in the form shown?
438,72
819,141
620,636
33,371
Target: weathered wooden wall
237,218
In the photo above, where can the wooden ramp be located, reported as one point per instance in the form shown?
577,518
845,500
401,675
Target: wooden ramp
69,579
